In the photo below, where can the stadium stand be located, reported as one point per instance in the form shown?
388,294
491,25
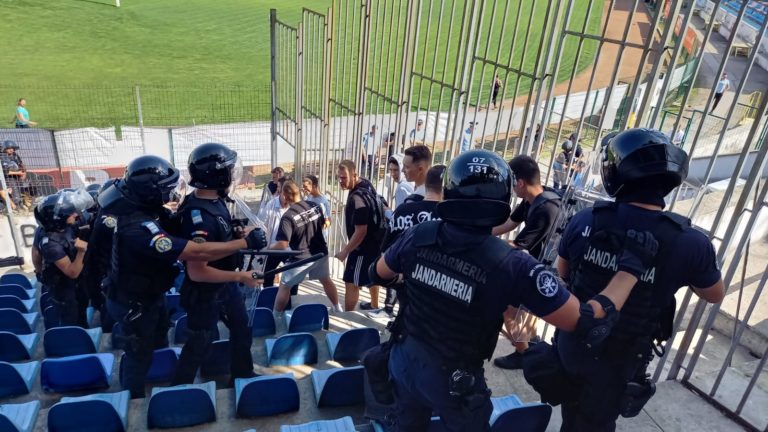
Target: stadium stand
182,405
263,322
16,279
13,302
17,290
76,373
19,417
339,387
307,318
266,395
266,298
102,412
352,344
16,322
163,367
71,340
343,424
17,379
291,349
218,360
15,347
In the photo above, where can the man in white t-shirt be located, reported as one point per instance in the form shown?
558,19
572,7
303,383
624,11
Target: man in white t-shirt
311,187
722,85
418,134
416,163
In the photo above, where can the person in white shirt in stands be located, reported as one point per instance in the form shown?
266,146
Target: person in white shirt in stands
370,151
418,134
402,188
467,141
271,214
311,187
416,163
722,85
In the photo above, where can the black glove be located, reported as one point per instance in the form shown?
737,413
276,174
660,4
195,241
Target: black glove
640,250
256,239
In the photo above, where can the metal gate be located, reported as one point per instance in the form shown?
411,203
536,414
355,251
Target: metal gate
564,67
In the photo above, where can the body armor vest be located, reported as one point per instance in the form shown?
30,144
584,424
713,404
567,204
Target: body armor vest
51,275
209,210
134,277
443,286
647,305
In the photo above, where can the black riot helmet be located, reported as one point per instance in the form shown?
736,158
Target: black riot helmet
93,190
53,211
10,144
477,189
149,183
213,166
642,155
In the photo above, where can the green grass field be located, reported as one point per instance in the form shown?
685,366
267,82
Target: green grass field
199,61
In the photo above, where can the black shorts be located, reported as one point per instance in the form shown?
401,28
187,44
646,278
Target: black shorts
356,267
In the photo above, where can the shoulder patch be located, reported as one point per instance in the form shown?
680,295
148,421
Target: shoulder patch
546,281
163,244
109,221
197,218
151,226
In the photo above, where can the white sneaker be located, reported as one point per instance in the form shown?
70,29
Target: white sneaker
380,314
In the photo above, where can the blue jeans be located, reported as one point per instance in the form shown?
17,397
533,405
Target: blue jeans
421,387
202,318
143,336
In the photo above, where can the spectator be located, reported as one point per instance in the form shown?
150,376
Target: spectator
14,170
467,142
406,216
418,134
416,163
277,172
563,163
497,85
370,151
722,85
22,115
677,138
538,212
389,143
365,221
271,213
301,229
311,186
401,187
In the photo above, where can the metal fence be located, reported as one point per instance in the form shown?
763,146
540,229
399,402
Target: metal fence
582,67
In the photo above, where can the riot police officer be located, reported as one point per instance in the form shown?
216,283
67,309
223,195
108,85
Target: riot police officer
144,255
639,168
97,260
211,290
62,253
459,279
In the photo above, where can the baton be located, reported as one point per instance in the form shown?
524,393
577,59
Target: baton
292,265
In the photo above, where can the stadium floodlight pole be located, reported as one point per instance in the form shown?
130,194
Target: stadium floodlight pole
11,219
273,75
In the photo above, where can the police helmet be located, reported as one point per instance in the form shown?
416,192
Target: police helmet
636,155
53,211
607,139
149,183
9,144
567,146
213,166
93,190
477,189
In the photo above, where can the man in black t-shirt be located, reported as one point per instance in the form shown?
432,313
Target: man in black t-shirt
365,225
407,215
301,229
538,212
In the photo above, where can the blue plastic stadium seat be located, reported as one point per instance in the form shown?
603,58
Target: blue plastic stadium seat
16,379
344,424
163,366
339,386
19,417
15,347
80,372
510,413
17,290
51,317
182,406
16,279
14,321
352,344
218,360
263,322
307,318
291,349
266,395
102,412
13,302
173,304
71,340
267,297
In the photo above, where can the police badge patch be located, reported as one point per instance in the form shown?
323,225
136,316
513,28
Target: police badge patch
546,283
163,244
110,222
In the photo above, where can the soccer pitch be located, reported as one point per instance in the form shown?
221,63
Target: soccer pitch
77,61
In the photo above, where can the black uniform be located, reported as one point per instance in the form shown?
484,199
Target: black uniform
53,247
205,220
144,255
364,207
539,217
98,262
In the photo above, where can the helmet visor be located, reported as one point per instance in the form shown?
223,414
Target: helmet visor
235,166
168,186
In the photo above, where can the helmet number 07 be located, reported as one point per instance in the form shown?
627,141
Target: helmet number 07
478,165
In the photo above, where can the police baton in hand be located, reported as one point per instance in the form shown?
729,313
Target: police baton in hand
299,263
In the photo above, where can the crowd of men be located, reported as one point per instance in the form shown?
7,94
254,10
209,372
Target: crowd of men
435,250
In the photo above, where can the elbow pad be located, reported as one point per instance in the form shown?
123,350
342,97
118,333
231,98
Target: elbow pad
378,280
594,331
